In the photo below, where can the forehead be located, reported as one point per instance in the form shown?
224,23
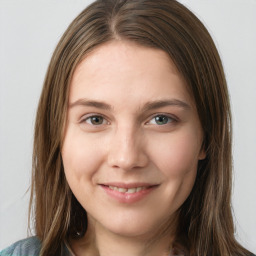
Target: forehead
123,55
127,71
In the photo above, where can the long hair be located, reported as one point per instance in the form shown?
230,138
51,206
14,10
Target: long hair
205,224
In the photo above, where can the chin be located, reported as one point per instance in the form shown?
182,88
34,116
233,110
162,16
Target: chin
134,225
131,231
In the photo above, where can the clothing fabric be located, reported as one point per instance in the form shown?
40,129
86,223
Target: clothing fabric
31,247
28,247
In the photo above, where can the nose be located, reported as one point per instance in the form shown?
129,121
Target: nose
126,150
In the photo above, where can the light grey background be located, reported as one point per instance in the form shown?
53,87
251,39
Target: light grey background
29,32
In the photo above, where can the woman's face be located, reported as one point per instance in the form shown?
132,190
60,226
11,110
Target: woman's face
133,138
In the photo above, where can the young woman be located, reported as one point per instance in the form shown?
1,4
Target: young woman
132,150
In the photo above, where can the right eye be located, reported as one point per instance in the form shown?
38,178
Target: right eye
95,120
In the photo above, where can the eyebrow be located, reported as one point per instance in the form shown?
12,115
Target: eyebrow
90,103
147,107
164,103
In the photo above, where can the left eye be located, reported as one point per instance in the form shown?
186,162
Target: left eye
161,120
95,120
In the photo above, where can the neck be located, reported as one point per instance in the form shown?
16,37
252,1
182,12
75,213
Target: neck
101,242
114,245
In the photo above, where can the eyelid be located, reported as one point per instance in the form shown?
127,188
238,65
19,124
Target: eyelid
87,116
171,116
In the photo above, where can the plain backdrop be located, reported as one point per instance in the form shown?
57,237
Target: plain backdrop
29,32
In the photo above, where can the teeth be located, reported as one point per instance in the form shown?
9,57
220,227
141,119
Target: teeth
131,190
127,190
123,190
139,189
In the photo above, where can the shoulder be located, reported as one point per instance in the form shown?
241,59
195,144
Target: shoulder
26,247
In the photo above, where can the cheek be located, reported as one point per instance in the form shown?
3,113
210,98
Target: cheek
177,155
81,156
177,159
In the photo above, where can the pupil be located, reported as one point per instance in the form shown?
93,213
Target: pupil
96,120
161,120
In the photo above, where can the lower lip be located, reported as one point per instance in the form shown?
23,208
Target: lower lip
128,197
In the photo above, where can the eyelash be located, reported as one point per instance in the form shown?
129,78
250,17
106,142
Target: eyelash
170,118
90,118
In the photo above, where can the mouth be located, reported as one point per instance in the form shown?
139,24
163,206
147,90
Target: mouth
128,190
128,193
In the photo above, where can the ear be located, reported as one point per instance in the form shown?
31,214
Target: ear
202,153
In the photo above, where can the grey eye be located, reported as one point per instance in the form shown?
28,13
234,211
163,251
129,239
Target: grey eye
161,119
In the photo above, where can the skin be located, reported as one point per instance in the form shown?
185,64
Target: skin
127,143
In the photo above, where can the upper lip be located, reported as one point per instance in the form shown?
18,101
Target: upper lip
128,185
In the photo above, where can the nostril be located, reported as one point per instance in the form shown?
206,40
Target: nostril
126,152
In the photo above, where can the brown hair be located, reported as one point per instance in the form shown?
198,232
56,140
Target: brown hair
205,219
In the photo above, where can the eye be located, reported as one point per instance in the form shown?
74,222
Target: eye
161,120
95,120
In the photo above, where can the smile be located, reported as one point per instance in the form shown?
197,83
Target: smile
127,190
128,193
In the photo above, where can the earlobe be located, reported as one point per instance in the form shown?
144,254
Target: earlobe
202,154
